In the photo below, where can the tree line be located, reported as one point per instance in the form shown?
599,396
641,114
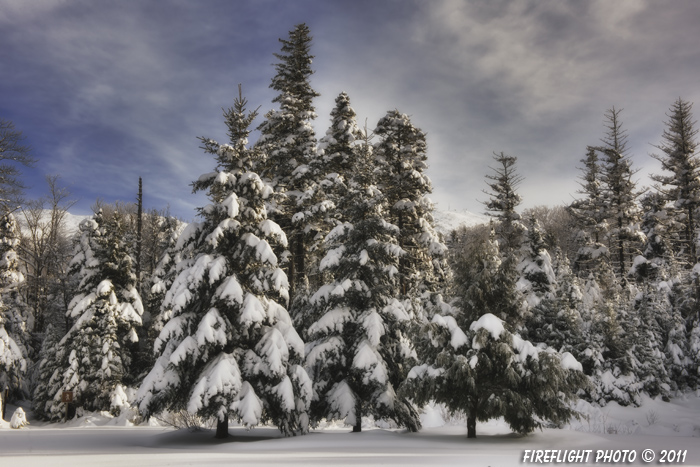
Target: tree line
314,286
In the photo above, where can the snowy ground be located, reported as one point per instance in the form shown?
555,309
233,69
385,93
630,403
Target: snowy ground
97,440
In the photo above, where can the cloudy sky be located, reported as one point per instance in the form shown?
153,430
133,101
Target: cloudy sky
106,92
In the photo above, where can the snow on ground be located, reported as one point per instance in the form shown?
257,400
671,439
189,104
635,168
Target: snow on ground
97,440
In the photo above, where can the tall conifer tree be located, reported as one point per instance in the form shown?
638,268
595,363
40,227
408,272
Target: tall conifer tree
288,146
503,201
620,192
360,353
681,187
229,347
401,156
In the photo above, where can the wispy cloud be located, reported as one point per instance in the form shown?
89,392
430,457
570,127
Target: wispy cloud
107,92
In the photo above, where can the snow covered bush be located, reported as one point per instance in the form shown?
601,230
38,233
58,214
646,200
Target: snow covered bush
19,419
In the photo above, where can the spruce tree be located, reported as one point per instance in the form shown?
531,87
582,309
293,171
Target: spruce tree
107,310
537,280
15,317
503,202
657,260
48,383
288,146
607,303
401,156
681,188
482,275
359,351
556,320
590,213
620,192
676,339
229,347
331,172
94,358
647,343
473,363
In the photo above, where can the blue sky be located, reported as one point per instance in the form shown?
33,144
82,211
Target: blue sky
106,92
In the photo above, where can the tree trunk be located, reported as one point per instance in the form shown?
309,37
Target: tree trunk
291,270
689,235
621,245
358,418
139,235
222,428
471,422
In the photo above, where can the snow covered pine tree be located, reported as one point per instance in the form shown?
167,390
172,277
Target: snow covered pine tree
13,315
359,348
476,364
230,347
287,146
93,359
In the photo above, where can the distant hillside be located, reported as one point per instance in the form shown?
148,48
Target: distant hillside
73,221
447,221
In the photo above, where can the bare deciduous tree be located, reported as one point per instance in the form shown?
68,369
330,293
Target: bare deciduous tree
13,151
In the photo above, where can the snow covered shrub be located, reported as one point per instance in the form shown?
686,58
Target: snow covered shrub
19,419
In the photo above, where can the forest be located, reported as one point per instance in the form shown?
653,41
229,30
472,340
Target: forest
314,286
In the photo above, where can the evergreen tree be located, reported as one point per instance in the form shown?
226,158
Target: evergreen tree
657,260
676,340
401,159
360,353
333,169
646,344
620,191
504,200
49,384
338,147
610,336
229,347
537,280
556,320
590,213
15,317
94,358
682,187
288,146
481,276
165,271
474,364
